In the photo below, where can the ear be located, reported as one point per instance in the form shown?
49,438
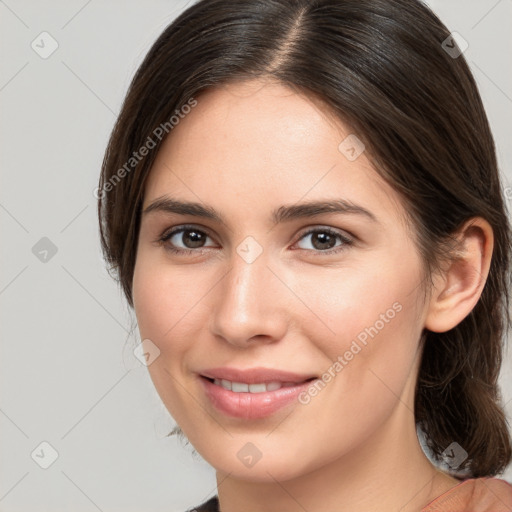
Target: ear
458,288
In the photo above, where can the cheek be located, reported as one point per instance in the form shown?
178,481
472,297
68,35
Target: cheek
163,306
369,374
375,319
366,305
163,301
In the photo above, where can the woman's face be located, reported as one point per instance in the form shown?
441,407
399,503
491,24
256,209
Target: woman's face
272,283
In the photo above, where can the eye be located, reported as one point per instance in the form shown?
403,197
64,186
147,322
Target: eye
324,240
191,238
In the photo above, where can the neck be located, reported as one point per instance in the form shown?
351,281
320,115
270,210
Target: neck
389,473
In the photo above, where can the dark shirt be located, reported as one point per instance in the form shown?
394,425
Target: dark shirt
212,505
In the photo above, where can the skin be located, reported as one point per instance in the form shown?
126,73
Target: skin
246,149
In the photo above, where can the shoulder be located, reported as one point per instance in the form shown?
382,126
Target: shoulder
211,505
475,495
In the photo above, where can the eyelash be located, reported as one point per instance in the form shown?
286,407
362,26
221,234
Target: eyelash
166,236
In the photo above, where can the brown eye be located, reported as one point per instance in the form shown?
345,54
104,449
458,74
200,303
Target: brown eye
191,238
323,240
184,239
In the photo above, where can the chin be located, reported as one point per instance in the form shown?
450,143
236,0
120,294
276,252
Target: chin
279,465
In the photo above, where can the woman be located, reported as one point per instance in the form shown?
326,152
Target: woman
302,204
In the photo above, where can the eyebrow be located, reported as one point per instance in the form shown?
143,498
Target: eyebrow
282,214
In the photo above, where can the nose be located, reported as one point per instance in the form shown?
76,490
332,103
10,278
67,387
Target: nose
250,304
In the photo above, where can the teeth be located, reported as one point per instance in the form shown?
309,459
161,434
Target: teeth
242,387
272,386
257,388
226,384
239,387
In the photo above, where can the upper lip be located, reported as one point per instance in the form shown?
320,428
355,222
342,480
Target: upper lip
254,375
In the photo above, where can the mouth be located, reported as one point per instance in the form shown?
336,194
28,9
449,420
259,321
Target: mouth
252,396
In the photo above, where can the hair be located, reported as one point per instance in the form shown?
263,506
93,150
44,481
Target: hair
381,67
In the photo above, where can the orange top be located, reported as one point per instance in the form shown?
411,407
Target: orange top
474,495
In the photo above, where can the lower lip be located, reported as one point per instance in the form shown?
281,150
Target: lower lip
251,405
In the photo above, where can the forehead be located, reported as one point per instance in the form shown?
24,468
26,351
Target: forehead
261,144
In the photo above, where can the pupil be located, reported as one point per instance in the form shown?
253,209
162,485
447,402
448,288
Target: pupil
195,237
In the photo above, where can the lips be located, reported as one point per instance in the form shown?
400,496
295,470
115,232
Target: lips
253,393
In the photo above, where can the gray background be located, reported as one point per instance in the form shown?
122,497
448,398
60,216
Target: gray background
68,373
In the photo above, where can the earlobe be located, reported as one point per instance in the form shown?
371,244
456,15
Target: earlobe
458,289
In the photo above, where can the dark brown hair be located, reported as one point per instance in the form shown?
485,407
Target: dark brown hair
382,67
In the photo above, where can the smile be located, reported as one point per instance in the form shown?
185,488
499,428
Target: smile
252,394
